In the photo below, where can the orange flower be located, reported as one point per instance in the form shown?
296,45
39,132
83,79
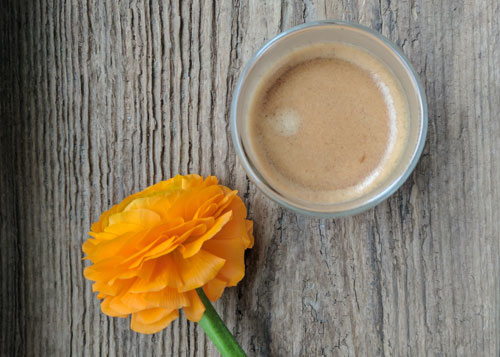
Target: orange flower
151,251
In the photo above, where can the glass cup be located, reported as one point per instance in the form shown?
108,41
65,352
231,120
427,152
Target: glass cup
322,32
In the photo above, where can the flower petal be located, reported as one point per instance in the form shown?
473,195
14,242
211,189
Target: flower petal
198,269
106,309
101,296
187,204
130,303
160,249
135,260
228,199
207,208
214,289
186,226
141,218
159,325
110,248
150,316
102,271
167,298
170,272
118,229
165,274
194,312
152,282
100,236
160,204
192,247
233,252
249,225
109,290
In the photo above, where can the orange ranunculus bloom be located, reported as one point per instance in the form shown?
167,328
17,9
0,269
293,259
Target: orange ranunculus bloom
151,251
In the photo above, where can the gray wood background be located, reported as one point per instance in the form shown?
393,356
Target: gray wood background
100,99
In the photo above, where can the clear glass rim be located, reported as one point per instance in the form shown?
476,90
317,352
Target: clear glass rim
391,188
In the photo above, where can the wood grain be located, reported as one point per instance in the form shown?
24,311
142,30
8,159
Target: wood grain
100,99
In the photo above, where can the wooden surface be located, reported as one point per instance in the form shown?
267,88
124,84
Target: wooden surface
100,99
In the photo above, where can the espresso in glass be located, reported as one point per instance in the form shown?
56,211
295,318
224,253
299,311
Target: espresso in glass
327,123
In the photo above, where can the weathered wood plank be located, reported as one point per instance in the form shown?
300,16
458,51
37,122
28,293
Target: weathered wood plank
100,99
10,250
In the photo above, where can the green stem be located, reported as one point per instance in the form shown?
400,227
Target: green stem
217,331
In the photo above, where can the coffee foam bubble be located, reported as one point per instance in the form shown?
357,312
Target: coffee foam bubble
284,122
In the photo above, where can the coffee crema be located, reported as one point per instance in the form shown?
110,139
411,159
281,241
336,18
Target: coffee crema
328,123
